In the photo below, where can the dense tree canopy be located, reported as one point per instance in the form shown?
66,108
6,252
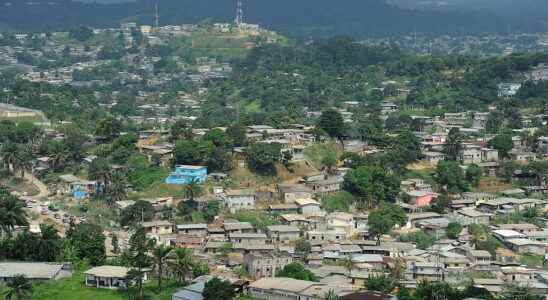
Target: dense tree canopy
89,242
371,184
383,219
262,157
296,271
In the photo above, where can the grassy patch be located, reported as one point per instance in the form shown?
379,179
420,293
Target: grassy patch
74,289
317,152
159,190
95,211
340,201
421,239
258,219
143,179
492,185
253,107
532,260
426,174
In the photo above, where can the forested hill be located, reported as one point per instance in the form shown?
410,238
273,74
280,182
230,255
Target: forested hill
304,18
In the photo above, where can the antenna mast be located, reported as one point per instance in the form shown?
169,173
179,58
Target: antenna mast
239,13
156,14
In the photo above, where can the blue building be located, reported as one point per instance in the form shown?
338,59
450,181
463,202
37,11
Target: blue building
185,174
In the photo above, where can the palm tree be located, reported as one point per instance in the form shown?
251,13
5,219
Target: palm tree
348,264
160,255
11,212
397,269
23,158
453,144
99,169
59,154
117,189
192,189
139,247
8,153
330,295
181,263
19,287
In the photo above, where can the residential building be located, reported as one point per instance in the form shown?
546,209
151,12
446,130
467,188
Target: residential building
110,277
468,216
421,198
192,229
236,200
325,184
308,206
283,233
185,174
248,238
191,292
523,245
508,89
35,271
237,227
158,227
76,187
265,265
369,295
280,288
290,193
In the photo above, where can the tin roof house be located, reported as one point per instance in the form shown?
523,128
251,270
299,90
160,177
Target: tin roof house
185,174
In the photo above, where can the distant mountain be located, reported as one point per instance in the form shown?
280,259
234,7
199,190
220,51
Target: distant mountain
507,8
302,18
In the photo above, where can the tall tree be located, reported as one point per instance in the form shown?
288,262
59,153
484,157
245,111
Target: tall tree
453,145
160,254
237,134
296,270
192,189
503,144
330,295
19,288
516,292
303,248
217,289
99,169
262,157
332,123
12,212
108,128
371,184
140,211
380,283
117,189
383,219
181,263
450,177
59,154
89,242
453,230
139,260
473,174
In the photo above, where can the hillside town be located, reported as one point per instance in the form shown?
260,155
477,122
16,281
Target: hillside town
129,180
